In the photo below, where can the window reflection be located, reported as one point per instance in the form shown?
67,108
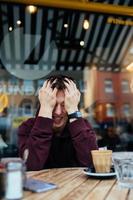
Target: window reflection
108,86
125,86
49,42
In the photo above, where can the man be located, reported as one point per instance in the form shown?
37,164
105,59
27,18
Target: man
58,136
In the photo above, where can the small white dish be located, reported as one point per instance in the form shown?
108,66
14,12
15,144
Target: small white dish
92,173
111,174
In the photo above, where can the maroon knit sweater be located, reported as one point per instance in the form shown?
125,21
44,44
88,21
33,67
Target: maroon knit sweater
49,150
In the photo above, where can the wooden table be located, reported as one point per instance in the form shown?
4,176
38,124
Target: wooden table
74,184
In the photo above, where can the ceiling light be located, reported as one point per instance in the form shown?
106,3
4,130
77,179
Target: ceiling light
82,43
10,28
86,24
18,22
31,9
130,67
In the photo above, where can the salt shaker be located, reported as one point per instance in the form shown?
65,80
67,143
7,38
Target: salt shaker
14,180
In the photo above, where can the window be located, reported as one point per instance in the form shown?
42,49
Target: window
48,43
126,109
125,86
27,108
108,86
28,87
110,110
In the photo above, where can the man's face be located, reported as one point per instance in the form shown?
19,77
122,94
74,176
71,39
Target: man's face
59,114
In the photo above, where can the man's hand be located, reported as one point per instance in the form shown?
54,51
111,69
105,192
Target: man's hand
47,98
72,96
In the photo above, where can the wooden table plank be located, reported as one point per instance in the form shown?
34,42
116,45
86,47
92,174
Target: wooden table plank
82,190
101,190
46,172
118,193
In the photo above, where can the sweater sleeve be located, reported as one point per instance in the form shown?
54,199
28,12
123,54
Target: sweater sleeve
84,140
35,137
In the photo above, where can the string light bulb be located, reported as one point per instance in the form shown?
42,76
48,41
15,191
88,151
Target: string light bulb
82,43
31,9
10,28
18,22
86,24
65,25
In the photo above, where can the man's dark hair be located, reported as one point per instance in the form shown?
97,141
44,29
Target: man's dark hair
57,81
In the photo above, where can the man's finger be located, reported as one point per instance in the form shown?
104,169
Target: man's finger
68,87
45,84
71,85
66,91
55,91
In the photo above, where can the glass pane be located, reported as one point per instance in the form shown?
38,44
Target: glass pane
125,86
108,86
53,41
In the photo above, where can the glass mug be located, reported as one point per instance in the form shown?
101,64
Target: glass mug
123,164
